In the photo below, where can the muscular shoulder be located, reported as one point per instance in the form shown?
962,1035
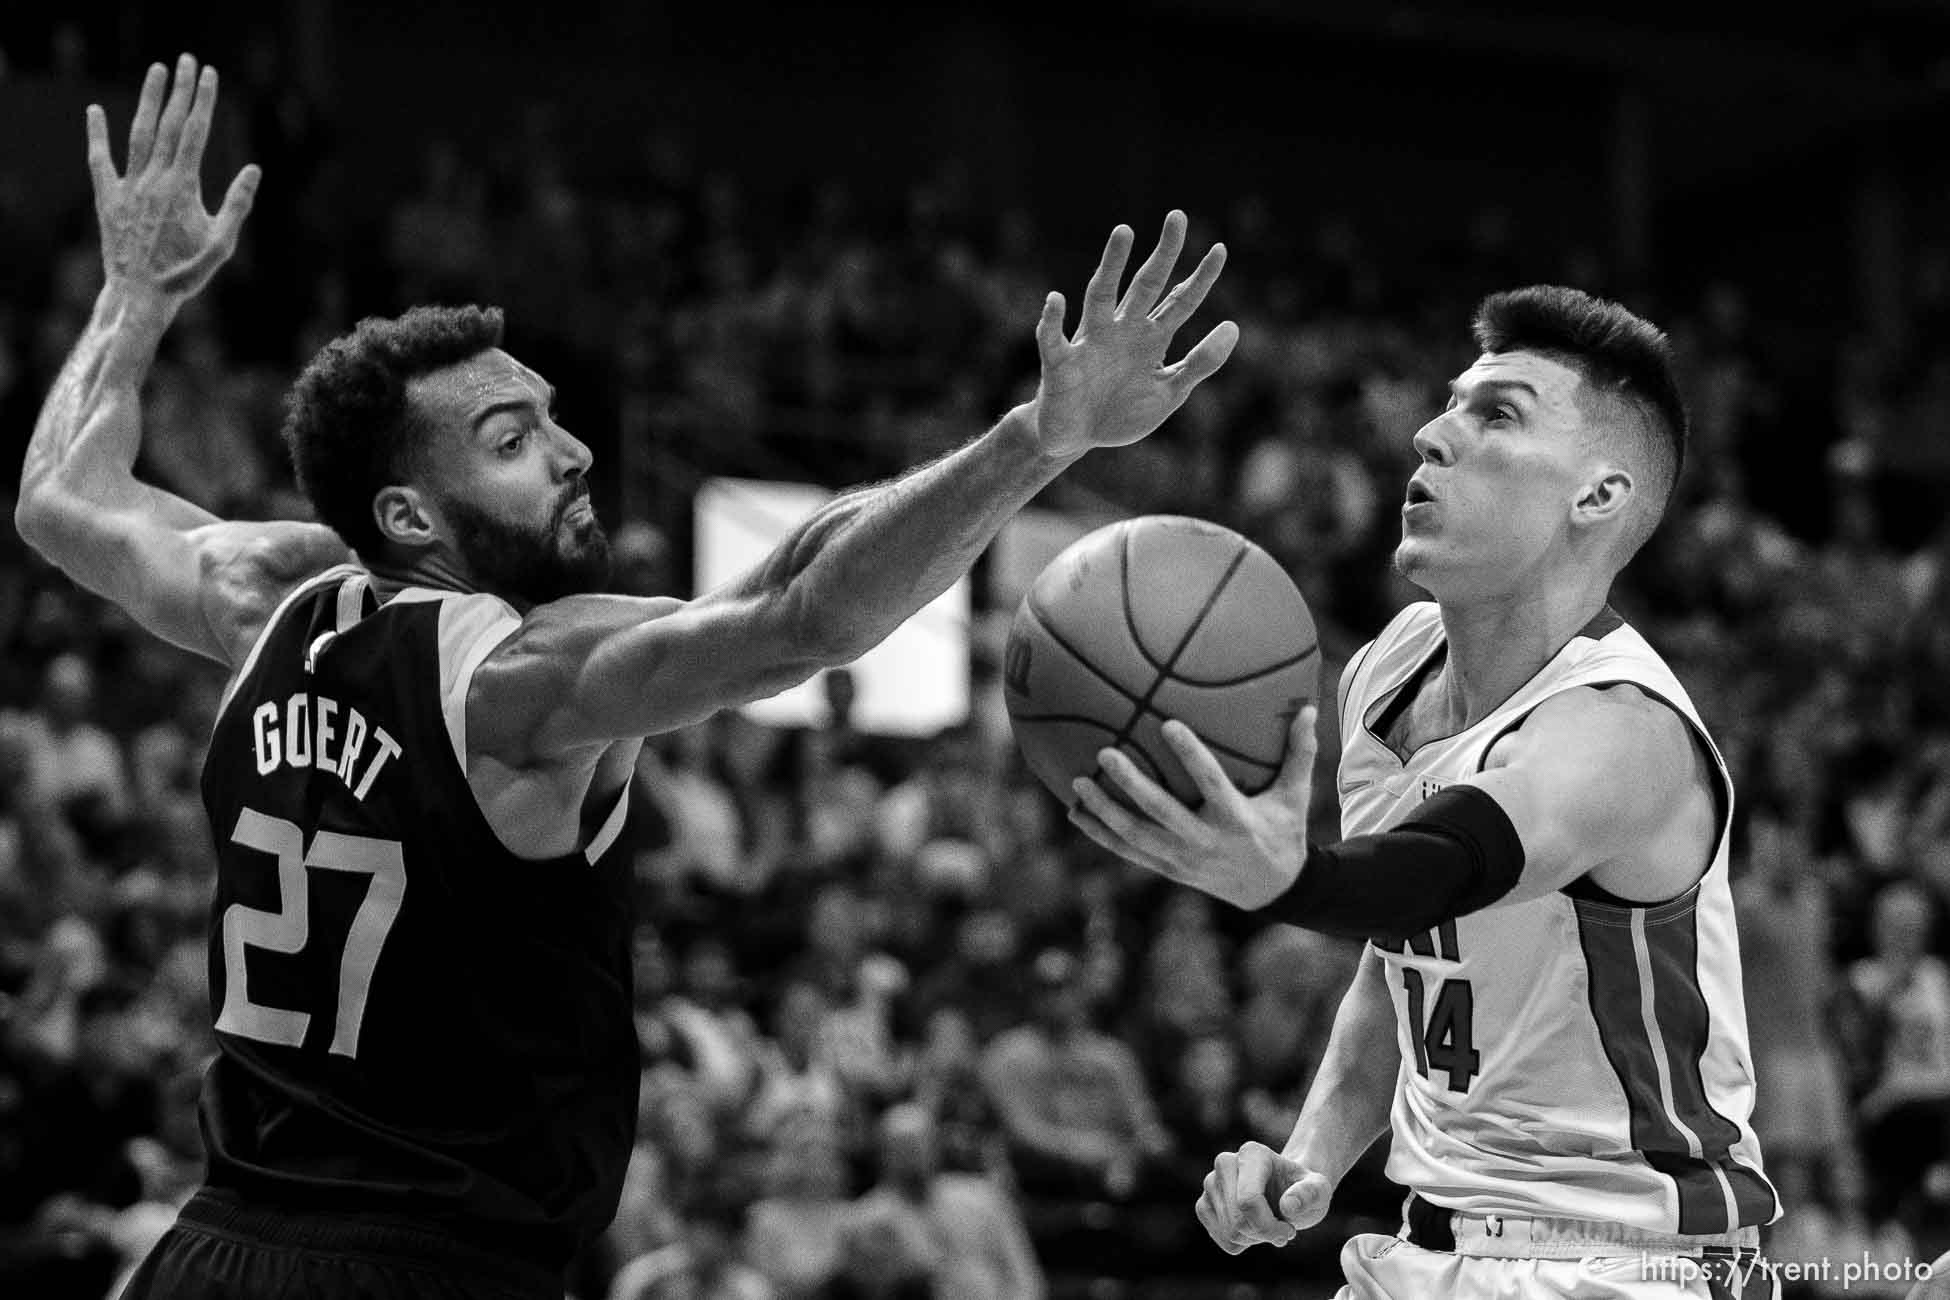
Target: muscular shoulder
247,569
533,669
1615,783
1617,725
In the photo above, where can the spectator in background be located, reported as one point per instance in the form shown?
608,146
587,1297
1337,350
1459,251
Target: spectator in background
962,1225
680,777
680,1145
1905,990
1187,989
1801,1109
702,1264
948,1086
858,1034
981,976
947,798
73,763
796,1233
1293,980
883,1256
717,1039
1074,1104
795,1080
201,423
1204,1107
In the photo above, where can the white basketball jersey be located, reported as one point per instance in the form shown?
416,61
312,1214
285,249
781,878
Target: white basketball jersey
1570,1056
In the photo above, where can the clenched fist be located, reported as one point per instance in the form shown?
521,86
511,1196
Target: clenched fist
1236,1206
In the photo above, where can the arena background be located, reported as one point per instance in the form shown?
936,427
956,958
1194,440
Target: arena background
806,244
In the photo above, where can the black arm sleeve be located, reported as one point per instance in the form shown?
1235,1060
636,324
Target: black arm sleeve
1456,853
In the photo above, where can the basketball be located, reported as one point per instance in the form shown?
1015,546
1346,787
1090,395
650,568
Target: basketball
1154,618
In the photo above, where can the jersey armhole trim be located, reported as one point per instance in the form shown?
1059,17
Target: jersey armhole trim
612,825
486,626
336,573
1352,686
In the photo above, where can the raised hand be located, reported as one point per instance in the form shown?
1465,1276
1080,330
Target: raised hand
1244,849
1237,1202
1108,385
156,236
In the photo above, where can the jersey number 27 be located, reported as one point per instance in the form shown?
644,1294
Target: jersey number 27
288,929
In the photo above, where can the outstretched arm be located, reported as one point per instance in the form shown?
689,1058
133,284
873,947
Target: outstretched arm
590,670
179,571
1605,782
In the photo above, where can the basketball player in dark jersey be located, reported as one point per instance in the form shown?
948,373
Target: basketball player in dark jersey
420,950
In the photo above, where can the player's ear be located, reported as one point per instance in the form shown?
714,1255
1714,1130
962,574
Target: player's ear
405,516
1605,497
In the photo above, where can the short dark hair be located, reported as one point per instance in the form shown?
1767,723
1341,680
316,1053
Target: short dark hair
1615,351
347,421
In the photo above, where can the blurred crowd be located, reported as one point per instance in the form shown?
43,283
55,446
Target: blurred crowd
903,1032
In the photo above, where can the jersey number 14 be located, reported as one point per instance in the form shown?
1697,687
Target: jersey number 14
1448,1041
288,929
1443,1036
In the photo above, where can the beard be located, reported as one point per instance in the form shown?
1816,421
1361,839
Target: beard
532,565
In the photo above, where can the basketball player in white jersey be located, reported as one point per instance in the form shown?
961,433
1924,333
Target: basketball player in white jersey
1549,1013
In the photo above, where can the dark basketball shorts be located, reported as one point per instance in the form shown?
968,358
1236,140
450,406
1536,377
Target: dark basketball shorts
223,1249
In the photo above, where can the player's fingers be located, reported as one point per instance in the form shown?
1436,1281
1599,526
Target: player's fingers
1199,764
1189,295
1225,1191
100,165
237,201
1049,328
1152,799
197,129
169,129
1208,1217
1253,1212
1104,838
229,222
1204,360
142,128
1100,298
1150,279
1305,1202
1302,746
1128,837
1257,1221
1208,1211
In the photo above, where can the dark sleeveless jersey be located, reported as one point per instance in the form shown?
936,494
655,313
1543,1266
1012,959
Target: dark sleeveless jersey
411,1020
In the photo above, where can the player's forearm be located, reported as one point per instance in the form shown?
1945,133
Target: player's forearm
82,454
873,558
1347,1106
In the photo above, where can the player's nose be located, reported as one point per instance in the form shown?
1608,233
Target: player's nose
1433,445
572,453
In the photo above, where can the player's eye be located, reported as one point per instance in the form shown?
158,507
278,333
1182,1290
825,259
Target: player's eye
512,444
1504,413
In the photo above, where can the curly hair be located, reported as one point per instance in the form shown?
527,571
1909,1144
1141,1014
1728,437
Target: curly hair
347,420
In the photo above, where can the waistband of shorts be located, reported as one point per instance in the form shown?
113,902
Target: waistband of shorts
384,1236
1506,1236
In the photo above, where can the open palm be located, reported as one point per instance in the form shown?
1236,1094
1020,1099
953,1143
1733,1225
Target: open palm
1108,385
156,235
